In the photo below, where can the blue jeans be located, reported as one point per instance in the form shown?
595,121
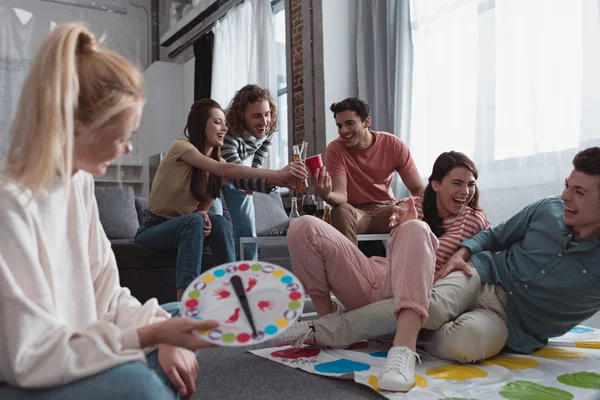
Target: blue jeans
129,381
241,211
185,234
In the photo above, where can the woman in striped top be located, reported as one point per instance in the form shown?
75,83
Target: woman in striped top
425,233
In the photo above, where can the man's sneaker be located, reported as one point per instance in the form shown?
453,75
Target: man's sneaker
398,373
301,332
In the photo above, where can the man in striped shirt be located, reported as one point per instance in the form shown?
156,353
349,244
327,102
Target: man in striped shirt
252,122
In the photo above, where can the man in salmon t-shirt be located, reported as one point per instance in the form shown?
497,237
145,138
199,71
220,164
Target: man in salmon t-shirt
360,165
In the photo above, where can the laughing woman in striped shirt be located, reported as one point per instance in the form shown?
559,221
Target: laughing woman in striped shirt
425,233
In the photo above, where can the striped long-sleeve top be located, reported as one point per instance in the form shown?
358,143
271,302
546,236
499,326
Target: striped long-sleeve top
458,229
238,149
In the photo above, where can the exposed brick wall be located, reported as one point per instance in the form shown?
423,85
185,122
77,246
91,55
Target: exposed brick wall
297,79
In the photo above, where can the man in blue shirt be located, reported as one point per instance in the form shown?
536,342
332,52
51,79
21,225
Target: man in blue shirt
532,277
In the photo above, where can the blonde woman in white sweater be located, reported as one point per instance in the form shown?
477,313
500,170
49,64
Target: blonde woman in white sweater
68,330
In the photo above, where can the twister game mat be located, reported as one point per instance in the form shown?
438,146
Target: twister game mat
569,368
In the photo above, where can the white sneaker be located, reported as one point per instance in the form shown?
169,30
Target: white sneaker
301,332
398,373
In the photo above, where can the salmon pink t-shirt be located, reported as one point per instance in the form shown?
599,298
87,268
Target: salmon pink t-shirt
370,171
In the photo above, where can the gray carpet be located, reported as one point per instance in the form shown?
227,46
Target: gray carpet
233,373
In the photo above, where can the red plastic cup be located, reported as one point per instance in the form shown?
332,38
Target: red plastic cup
314,163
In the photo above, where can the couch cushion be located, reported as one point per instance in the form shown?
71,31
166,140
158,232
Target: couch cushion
270,215
141,203
116,207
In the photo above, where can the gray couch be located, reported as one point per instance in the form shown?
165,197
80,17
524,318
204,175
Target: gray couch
149,274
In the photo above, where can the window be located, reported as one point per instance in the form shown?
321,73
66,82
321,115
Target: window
279,150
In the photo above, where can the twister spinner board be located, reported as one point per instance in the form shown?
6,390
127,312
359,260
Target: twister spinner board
275,297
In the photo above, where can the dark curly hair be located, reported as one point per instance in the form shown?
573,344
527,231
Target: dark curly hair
247,95
202,184
360,107
442,166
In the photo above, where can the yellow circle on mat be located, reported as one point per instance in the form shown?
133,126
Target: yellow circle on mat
558,354
208,278
457,372
278,273
513,363
194,294
282,322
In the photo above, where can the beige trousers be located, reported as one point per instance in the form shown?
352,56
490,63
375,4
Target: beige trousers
467,321
365,218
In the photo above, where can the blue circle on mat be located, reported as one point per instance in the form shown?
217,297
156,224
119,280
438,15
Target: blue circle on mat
382,354
581,329
270,329
287,279
341,366
219,273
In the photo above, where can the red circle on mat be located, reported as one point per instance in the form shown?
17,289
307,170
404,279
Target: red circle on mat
244,267
191,303
243,337
295,295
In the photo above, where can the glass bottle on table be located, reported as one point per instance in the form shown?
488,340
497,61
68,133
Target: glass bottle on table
300,155
294,208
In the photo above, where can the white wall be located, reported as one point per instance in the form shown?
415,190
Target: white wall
24,23
339,56
127,34
163,119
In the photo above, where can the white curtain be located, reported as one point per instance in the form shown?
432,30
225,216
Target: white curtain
244,53
384,67
513,84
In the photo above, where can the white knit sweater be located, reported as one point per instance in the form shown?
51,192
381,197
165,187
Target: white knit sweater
63,314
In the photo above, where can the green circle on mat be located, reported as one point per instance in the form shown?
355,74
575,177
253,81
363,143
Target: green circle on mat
194,294
455,398
293,305
228,337
256,267
524,390
585,380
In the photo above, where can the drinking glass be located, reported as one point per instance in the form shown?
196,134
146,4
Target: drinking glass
309,204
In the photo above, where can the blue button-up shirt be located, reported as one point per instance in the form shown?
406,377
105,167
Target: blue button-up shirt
551,286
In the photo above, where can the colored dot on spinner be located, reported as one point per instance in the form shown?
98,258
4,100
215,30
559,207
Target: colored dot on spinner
228,337
244,267
294,305
287,279
192,303
208,278
282,322
271,329
243,337
197,317
278,273
204,332
295,295
219,273
194,294
256,267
